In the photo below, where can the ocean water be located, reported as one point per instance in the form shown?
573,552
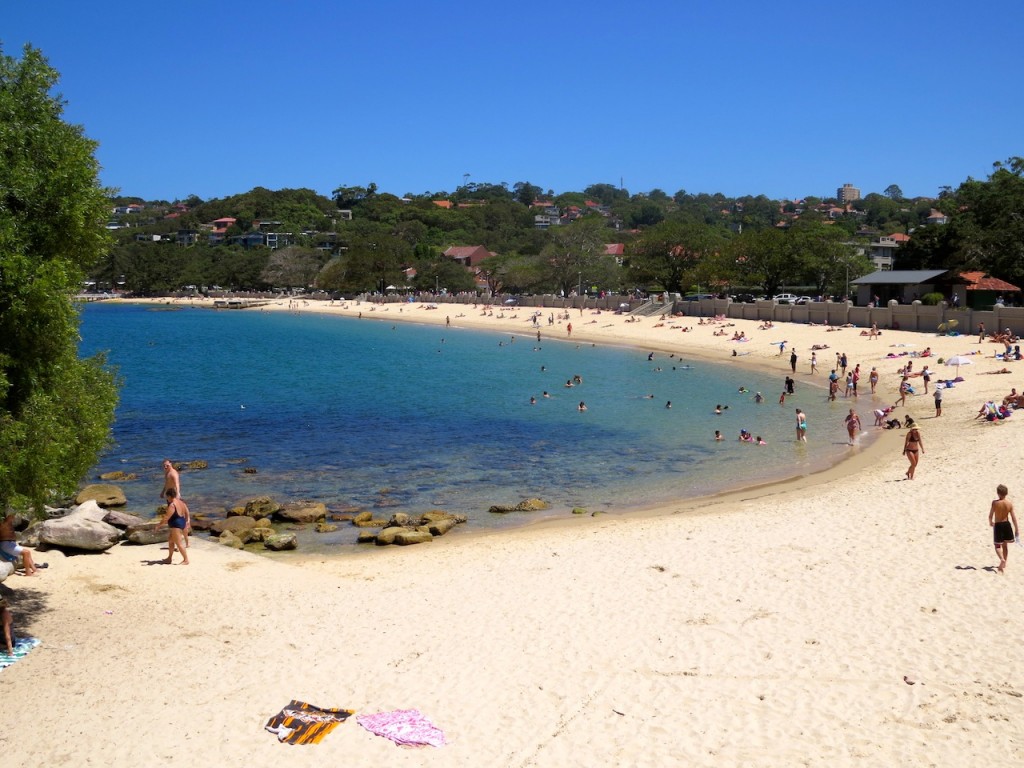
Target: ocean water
406,417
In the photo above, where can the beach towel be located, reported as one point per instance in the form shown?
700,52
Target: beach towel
21,647
302,723
405,727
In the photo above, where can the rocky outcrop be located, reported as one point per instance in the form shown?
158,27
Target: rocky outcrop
302,512
526,505
404,529
103,494
6,569
228,539
118,477
83,529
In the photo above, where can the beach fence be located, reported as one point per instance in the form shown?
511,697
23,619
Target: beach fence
925,318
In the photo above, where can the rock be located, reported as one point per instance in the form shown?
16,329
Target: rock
302,512
6,569
263,522
249,470
228,539
119,519
400,519
501,509
236,512
531,505
147,533
579,510
325,528
103,494
83,529
413,537
259,534
441,527
197,464
387,536
362,519
118,476
281,541
232,524
366,537
261,506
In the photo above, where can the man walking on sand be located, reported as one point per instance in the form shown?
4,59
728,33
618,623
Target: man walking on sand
792,359
1000,517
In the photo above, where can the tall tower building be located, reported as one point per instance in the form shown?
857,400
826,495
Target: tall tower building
848,193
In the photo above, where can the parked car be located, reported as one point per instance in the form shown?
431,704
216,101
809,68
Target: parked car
804,300
698,296
785,298
744,298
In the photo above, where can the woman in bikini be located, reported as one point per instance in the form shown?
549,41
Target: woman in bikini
913,447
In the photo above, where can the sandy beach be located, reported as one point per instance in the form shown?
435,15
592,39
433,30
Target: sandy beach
848,618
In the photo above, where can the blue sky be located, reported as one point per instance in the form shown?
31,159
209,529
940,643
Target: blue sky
743,97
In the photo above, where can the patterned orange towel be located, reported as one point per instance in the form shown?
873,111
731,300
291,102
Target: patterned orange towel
302,723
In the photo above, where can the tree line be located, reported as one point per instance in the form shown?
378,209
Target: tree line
362,239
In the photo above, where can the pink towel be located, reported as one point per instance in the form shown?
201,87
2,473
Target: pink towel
406,727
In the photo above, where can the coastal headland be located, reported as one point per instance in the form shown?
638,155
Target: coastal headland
849,617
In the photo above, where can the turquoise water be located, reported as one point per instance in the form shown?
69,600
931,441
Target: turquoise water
408,417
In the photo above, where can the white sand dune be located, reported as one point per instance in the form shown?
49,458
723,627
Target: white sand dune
852,617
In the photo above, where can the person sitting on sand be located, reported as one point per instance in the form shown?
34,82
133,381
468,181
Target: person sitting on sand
11,550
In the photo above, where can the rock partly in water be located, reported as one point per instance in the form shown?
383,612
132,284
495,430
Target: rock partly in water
325,528
103,494
261,506
228,539
302,512
413,537
118,477
232,524
280,542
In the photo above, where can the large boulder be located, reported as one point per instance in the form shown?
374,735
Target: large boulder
104,494
228,539
6,569
413,537
118,477
82,529
302,512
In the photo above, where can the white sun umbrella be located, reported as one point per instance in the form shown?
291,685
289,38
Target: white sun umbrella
959,360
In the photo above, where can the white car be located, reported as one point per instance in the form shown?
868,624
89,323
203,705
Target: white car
785,298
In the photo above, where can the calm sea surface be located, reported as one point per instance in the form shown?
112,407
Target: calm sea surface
408,417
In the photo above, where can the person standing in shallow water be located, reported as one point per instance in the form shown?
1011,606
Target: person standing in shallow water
1004,525
801,426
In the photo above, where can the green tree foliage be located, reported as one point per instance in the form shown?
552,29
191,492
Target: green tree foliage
293,267
575,253
55,408
674,255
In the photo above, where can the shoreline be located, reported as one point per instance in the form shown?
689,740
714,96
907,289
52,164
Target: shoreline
854,619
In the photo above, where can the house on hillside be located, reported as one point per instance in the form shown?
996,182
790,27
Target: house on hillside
883,249
616,251
468,255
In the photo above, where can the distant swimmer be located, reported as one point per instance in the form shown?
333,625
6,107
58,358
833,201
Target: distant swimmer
582,406
668,404
568,383
545,394
743,390
718,435
533,401
758,397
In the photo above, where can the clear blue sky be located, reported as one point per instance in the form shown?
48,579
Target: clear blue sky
743,97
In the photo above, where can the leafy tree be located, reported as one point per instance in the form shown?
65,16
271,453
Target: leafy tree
55,408
293,267
762,259
893,192
575,252
672,253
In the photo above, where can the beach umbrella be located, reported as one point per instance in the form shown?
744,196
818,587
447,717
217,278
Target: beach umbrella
959,360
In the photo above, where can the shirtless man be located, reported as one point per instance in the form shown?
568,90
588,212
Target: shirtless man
10,547
173,482
1000,517
177,519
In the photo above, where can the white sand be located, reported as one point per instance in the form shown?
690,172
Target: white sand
769,627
